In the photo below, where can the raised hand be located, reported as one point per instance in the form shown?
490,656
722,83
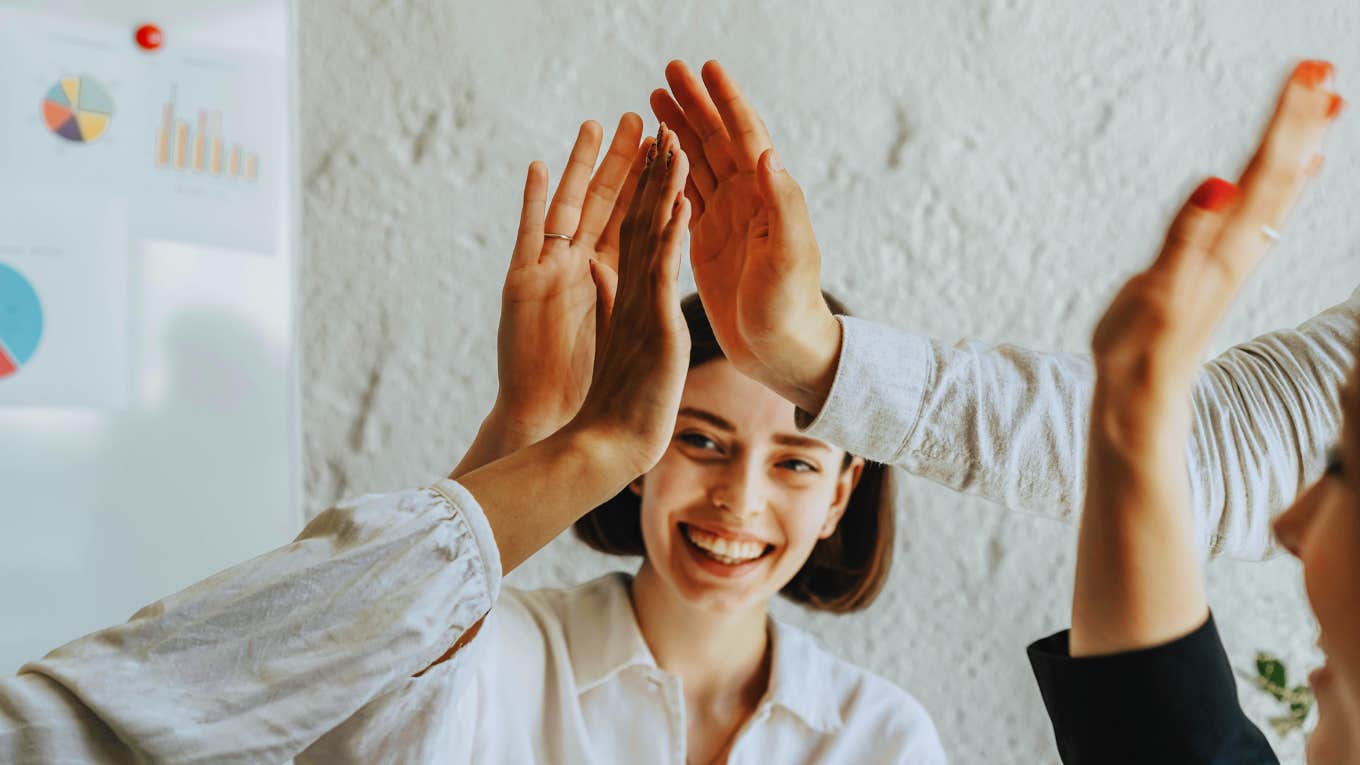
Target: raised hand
642,343
755,257
546,341
641,354
1138,578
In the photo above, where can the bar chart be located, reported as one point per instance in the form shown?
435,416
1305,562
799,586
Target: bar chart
201,148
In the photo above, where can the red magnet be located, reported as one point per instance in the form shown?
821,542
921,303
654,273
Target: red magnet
149,37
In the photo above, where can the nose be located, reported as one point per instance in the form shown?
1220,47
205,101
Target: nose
1291,525
740,491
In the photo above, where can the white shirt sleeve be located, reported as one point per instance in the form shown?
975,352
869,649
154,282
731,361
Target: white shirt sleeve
258,661
1010,424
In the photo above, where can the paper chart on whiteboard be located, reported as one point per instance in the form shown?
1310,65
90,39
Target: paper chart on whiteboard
212,156
63,302
188,137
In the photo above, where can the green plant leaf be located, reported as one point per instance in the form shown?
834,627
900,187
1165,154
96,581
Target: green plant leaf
1272,673
1285,725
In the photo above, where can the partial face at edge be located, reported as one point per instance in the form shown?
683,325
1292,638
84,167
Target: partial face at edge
1322,528
738,501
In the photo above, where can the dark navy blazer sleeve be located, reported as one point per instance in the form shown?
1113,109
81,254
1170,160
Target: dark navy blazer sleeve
1173,703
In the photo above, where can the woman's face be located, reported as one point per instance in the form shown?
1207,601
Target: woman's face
738,501
1323,530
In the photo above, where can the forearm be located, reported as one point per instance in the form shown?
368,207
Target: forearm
535,493
1010,424
500,435
274,651
999,421
1138,581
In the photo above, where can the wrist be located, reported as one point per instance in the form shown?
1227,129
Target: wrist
512,430
615,456
806,365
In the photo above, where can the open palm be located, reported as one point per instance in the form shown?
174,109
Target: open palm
754,254
546,339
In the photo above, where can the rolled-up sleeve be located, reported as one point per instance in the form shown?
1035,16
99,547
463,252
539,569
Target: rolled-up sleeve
1010,424
258,661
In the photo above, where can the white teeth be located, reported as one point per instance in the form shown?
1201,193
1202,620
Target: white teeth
725,550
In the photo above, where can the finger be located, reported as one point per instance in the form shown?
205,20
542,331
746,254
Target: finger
1186,263
675,168
668,111
654,183
529,241
604,188
696,199
1278,172
672,236
745,129
785,206
606,288
637,218
703,119
1196,228
607,248
564,214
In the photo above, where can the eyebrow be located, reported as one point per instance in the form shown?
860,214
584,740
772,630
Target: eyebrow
784,439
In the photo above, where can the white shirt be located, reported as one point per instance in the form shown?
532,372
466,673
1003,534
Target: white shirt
565,677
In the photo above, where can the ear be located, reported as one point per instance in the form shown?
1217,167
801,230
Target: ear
845,486
636,485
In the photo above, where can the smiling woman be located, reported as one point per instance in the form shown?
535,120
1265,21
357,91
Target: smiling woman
851,553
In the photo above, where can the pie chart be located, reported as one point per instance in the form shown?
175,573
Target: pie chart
21,321
78,109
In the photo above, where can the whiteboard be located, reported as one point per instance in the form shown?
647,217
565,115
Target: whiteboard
148,265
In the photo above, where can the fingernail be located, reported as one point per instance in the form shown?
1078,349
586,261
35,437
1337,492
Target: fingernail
775,164
1214,194
1335,106
1313,73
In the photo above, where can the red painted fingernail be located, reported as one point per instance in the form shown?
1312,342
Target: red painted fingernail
1335,106
1214,195
1312,73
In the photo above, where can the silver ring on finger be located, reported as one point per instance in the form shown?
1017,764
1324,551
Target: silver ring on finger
1270,233
567,237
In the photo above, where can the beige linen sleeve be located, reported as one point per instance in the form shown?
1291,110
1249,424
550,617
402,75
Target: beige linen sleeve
1009,424
256,662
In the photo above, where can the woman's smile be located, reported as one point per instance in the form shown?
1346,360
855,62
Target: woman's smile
724,555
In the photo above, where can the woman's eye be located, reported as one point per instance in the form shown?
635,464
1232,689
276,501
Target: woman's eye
698,440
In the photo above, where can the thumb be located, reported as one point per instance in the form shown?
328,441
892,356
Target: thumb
606,287
782,195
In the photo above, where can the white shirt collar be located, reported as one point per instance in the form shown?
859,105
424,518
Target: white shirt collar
603,637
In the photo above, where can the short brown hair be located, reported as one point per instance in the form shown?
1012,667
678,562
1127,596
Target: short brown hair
844,572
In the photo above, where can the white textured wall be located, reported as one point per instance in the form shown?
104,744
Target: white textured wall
979,169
